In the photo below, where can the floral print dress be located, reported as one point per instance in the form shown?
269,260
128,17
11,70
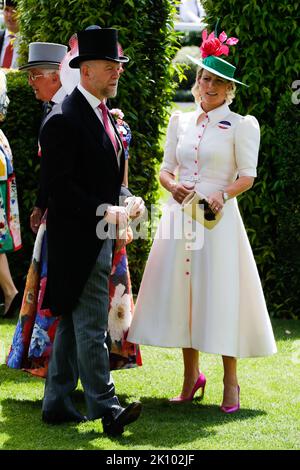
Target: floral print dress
10,233
35,330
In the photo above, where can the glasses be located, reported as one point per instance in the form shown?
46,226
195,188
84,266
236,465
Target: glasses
33,76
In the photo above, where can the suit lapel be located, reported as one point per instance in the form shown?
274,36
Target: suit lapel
95,126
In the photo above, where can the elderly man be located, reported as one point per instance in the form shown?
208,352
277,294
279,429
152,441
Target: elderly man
43,76
83,168
9,37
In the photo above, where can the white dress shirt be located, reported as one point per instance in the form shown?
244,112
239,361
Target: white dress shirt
59,96
94,102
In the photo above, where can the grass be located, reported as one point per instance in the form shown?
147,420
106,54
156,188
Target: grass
269,418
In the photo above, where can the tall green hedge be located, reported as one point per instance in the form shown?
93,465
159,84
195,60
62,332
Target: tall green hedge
146,88
267,60
287,164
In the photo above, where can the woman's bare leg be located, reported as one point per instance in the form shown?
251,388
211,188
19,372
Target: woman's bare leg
191,370
230,394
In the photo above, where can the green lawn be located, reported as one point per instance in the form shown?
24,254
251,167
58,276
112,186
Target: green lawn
269,418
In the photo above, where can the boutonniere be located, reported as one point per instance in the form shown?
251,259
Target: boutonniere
12,38
118,115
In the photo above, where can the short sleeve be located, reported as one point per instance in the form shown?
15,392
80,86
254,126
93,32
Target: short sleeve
247,139
170,162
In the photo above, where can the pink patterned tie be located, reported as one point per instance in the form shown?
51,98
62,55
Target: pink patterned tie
107,126
9,52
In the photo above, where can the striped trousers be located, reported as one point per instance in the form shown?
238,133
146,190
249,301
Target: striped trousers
80,350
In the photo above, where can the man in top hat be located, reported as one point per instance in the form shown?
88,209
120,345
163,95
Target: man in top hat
9,37
82,167
44,59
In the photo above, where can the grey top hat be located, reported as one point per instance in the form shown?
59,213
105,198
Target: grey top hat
45,54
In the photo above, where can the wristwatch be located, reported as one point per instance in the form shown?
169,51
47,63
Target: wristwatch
225,196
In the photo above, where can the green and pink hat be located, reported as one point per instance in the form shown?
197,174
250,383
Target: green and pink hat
211,49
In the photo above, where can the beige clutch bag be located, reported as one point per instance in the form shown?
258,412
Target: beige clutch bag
197,207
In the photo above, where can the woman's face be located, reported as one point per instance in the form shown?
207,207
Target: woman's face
213,90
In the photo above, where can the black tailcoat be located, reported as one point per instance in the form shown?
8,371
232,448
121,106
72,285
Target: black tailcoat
79,172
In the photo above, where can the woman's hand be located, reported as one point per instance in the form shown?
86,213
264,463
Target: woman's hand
179,191
216,202
129,235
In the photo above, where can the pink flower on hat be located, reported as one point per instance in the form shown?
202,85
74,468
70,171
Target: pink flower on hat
211,45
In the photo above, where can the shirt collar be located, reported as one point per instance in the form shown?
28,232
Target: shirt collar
200,114
59,95
92,100
215,115
8,33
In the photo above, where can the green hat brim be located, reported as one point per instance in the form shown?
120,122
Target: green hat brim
215,72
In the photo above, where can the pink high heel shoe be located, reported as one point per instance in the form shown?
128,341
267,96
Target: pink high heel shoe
200,383
233,408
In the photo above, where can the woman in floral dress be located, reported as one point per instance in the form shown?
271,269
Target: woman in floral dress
35,331
10,235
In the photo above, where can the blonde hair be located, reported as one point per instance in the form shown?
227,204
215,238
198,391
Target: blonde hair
196,88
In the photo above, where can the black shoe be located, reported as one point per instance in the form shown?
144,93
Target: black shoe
114,425
14,306
59,417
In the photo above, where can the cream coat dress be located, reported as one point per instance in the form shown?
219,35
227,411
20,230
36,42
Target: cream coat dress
202,290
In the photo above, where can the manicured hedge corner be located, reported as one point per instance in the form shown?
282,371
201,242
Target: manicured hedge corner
146,33
21,128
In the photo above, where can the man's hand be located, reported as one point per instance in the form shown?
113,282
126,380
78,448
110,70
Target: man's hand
35,219
135,206
117,215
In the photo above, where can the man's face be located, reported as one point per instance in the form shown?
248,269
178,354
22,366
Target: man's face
10,17
104,77
44,83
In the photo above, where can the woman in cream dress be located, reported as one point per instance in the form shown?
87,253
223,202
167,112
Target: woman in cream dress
201,291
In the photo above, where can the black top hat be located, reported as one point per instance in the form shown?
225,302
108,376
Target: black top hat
97,44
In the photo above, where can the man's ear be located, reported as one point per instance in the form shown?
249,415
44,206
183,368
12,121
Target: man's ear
85,70
55,77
